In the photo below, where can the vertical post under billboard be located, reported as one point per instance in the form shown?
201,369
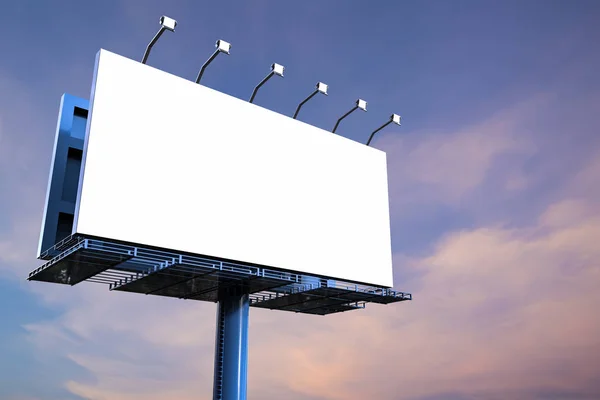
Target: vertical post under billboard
231,348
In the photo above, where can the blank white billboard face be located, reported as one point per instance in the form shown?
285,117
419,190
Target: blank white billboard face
173,164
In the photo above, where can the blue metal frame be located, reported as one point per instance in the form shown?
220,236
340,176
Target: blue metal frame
63,181
140,269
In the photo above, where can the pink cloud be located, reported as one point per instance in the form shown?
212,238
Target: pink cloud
499,312
445,167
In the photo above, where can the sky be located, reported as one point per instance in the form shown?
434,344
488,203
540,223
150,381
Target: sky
494,199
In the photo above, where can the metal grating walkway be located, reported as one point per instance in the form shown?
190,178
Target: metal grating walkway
138,269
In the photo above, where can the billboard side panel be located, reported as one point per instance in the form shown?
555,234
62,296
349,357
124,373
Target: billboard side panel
61,192
177,165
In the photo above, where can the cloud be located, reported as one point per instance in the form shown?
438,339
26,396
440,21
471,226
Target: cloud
22,398
446,167
19,179
500,311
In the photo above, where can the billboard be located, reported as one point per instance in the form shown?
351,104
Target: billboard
176,165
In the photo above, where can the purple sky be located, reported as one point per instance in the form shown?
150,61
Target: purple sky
494,196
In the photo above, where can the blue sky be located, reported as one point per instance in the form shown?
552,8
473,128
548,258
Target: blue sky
493,189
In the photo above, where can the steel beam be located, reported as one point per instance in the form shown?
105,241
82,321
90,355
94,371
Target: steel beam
231,347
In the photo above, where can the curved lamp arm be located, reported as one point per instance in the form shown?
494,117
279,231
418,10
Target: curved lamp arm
166,24
359,104
395,118
276,69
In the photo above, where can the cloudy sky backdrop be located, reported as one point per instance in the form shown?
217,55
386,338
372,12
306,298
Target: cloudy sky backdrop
494,197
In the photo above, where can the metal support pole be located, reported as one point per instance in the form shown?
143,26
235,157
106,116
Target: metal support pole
231,348
360,103
395,118
342,117
152,43
377,130
201,72
303,102
266,78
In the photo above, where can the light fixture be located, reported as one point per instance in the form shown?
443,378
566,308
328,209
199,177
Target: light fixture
166,24
395,118
359,104
221,47
320,88
276,69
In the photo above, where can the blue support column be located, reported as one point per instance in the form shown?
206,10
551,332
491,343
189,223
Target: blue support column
231,348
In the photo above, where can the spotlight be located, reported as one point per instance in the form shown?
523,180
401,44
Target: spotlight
166,24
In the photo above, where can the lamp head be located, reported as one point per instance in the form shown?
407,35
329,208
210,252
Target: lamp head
395,118
322,88
277,69
223,46
361,104
168,23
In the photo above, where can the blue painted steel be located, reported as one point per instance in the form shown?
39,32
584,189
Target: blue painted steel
64,171
138,269
231,348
